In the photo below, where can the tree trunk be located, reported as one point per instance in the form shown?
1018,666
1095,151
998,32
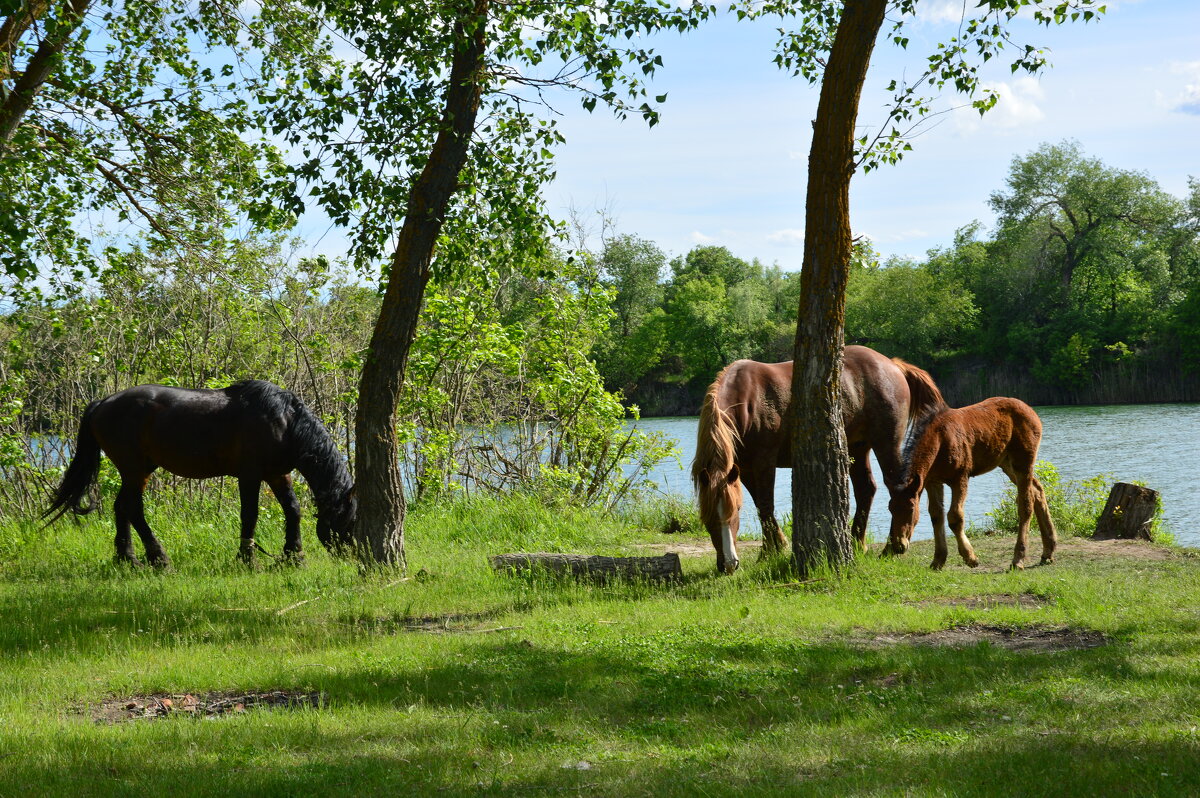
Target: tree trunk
379,529
1128,513
820,467
41,65
594,567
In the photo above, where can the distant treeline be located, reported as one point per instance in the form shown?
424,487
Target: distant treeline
1086,291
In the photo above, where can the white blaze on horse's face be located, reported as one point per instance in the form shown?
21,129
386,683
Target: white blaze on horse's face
728,538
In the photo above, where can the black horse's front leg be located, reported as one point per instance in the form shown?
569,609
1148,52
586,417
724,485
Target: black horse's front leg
281,486
248,489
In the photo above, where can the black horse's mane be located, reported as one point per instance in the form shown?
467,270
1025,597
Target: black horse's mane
317,457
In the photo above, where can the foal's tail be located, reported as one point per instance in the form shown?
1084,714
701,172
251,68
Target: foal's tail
925,396
714,470
81,473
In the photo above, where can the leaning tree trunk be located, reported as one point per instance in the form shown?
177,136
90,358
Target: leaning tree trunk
41,64
820,467
379,529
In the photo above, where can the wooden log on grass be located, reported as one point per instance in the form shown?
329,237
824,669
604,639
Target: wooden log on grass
1128,513
594,567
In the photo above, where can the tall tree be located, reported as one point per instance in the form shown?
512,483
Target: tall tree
435,123
833,44
132,111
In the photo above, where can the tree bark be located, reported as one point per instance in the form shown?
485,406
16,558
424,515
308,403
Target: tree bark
1128,513
379,529
820,464
595,567
17,103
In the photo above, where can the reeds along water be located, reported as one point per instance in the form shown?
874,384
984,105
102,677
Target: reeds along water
1130,382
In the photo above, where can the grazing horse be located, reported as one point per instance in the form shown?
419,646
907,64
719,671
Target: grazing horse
745,434
951,445
253,430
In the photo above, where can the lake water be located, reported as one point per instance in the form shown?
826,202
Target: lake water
1158,445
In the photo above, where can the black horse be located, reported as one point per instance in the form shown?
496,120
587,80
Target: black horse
253,430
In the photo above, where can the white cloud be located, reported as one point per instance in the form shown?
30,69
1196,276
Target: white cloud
788,237
1188,100
940,11
1017,107
697,237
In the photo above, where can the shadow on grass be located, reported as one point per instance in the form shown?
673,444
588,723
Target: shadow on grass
664,715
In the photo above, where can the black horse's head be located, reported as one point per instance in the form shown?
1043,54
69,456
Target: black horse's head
335,522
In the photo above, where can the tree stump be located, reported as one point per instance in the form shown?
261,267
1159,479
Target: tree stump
593,567
1128,513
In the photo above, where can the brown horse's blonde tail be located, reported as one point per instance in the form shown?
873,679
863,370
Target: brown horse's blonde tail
924,393
714,470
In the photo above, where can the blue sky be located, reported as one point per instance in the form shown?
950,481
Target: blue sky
727,163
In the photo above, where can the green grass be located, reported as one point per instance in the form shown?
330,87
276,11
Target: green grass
750,684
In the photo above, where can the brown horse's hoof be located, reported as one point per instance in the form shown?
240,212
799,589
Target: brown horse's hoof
1047,559
128,560
972,563
937,566
1017,566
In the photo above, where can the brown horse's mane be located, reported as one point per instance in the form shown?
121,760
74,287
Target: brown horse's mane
715,443
924,396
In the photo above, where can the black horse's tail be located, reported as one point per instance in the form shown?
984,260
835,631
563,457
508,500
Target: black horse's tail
81,473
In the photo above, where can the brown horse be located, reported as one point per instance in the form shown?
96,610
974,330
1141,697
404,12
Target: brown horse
744,435
253,430
951,445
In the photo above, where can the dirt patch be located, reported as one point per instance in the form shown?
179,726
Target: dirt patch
461,623
1131,549
1024,600
994,547
206,705
1025,638
694,547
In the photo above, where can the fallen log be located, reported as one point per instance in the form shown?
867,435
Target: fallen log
593,567
1128,513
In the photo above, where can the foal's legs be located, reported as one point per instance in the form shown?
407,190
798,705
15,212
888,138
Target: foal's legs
1045,524
937,517
864,491
129,508
956,517
281,486
248,488
760,484
1031,498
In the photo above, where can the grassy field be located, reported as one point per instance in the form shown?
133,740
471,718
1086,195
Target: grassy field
1081,678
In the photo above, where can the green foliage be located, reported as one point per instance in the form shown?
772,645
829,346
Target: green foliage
985,33
139,121
1086,258
505,396
908,310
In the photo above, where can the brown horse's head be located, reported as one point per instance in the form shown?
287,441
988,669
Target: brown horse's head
905,508
720,506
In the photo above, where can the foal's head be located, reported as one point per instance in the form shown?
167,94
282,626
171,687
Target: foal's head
905,507
720,506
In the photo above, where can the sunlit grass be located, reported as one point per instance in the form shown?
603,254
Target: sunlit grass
453,678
